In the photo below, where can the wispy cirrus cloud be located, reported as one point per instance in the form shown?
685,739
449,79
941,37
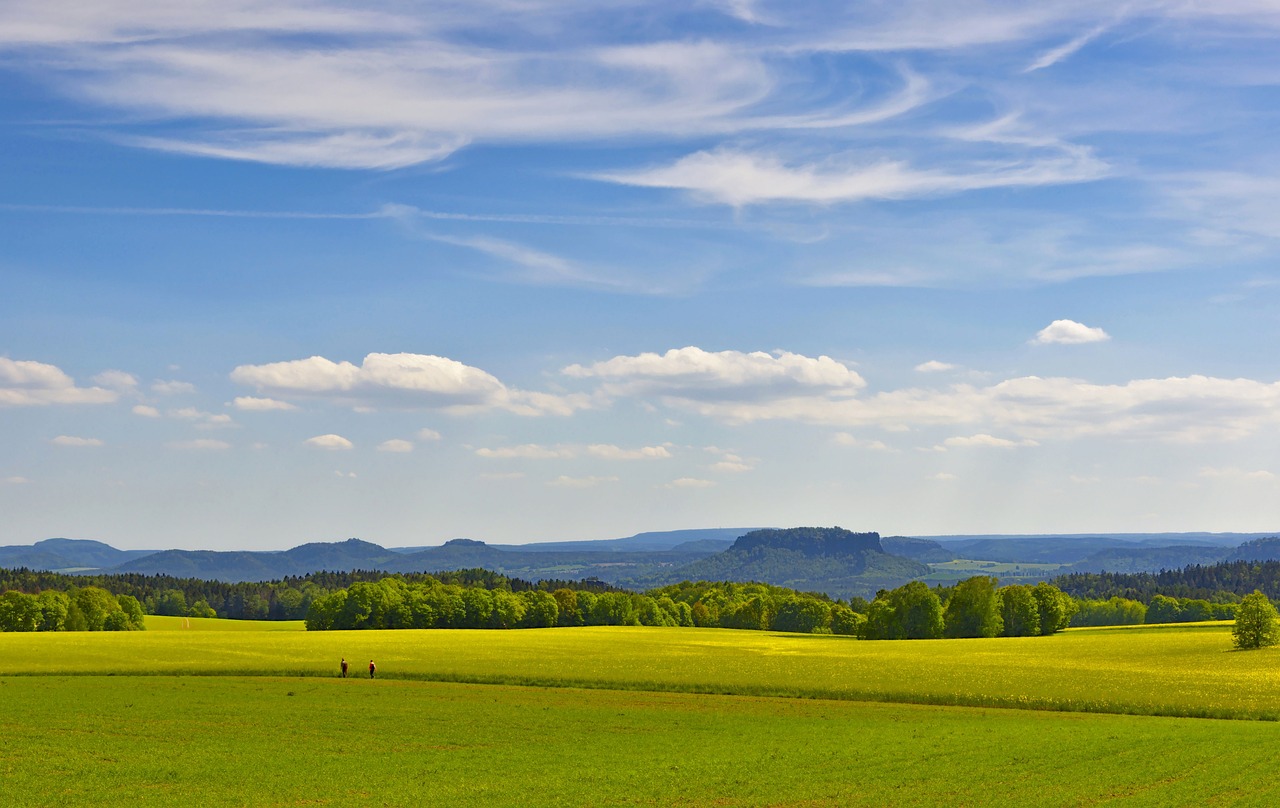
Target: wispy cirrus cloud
379,86
738,178
1056,54
382,85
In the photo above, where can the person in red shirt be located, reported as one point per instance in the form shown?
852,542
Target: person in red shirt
372,668
344,667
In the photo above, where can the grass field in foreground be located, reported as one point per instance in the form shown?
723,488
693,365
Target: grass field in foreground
1159,670
217,741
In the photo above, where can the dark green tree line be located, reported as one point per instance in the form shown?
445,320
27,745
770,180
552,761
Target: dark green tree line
84,609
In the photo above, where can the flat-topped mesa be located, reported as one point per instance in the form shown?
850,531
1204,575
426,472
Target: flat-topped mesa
812,541
464,543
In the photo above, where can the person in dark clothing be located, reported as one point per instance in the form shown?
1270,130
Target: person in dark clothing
372,668
344,667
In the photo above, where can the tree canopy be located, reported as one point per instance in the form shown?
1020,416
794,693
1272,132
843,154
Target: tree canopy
1255,625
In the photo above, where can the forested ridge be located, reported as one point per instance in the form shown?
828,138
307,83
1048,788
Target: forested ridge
1224,582
483,599
479,598
288,598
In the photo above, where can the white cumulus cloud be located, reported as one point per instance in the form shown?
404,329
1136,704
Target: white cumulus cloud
1191,409
694,373
25,383
1236,474
395,445
580,482
602,451
934,366
846,439
984,440
204,420
72,440
200,445
402,380
172,388
527,451
1069,332
256,404
116,380
146,411
329,441
610,452
733,464
690,482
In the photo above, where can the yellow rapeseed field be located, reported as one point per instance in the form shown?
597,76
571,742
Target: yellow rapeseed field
1165,670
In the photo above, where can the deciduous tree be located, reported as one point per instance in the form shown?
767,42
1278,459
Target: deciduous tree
973,609
1020,611
1255,622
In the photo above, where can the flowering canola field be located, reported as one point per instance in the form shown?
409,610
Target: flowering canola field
1177,670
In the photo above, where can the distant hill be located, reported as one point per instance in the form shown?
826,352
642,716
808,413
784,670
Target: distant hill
722,537
1138,539
66,554
925,550
1120,553
838,562
1264,549
1149,559
831,560
209,565
719,537
1037,550
607,565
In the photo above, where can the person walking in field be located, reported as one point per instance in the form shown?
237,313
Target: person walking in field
344,667
372,668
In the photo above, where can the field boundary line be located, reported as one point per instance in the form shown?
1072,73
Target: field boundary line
1026,703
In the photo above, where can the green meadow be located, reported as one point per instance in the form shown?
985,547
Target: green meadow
218,713
285,741
962,568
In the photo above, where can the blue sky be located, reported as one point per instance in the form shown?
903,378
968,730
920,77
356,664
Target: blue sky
520,271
